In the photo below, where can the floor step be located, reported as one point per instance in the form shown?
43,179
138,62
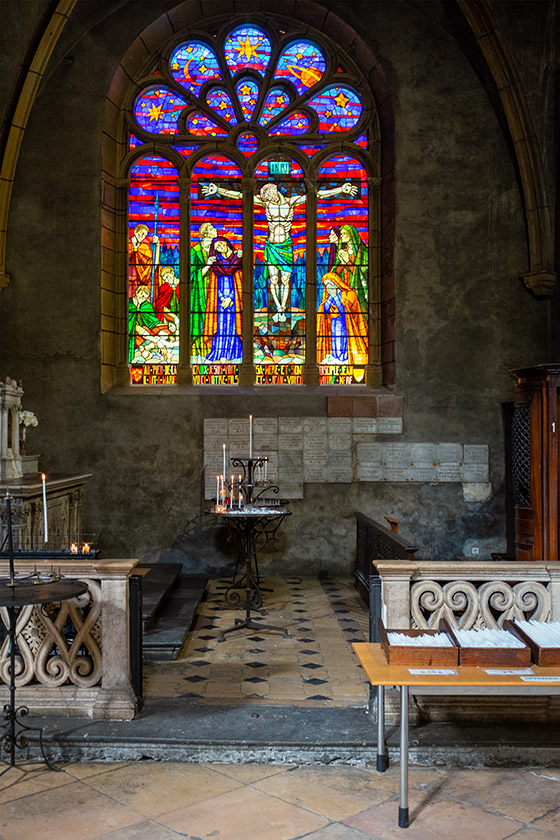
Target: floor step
158,583
166,634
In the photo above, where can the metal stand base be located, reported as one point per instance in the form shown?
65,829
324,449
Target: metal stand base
248,623
13,736
382,763
403,818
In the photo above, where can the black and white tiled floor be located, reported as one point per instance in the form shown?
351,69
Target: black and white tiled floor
314,666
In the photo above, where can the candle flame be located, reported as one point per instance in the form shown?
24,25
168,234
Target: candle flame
85,548
43,476
73,548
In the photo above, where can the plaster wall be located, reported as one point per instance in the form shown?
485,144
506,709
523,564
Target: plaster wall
463,316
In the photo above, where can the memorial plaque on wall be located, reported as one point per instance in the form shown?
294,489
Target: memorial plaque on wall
239,437
364,425
265,434
315,467
339,468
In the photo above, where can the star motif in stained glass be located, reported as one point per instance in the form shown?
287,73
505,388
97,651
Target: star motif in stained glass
328,113
247,49
222,105
342,100
154,112
175,66
245,90
203,69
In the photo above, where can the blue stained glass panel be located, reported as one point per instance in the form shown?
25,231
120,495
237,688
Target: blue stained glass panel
248,92
276,100
248,144
247,47
157,109
220,101
192,64
296,123
339,108
302,63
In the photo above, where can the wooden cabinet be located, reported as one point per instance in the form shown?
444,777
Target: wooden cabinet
535,464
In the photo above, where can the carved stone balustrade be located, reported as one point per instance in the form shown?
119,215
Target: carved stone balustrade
471,594
74,657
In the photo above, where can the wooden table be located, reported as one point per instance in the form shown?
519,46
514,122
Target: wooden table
381,674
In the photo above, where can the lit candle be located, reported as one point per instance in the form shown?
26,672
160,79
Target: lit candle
45,519
265,469
224,453
239,494
250,435
231,495
217,490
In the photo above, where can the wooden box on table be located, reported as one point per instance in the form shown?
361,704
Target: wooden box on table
489,657
420,656
545,657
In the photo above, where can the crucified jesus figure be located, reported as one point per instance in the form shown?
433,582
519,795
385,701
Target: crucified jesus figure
278,249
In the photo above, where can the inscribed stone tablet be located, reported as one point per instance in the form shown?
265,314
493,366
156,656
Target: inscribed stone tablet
393,473
339,469
420,472
423,453
449,453
290,425
340,426
397,454
389,425
474,454
340,443
449,472
475,472
289,441
315,468
315,426
369,472
216,426
265,433
314,443
370,454
364,425
290,466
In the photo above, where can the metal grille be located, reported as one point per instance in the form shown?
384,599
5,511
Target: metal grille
521,450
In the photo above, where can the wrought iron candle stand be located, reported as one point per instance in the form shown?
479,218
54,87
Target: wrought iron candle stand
252,524
15,594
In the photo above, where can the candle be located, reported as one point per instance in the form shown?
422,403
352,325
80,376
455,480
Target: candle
217,490
231,495
224,454
239,494
222,496
45,518
250,435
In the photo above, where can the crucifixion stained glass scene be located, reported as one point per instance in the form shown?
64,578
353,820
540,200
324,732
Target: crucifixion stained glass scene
249,189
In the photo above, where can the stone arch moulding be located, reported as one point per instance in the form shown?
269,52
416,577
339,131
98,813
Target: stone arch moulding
24,97
133,67
541,277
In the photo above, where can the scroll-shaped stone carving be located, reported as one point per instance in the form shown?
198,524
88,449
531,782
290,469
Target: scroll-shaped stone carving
48,656
467,607
499,601
456,601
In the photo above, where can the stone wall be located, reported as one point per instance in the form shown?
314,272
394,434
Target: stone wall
463,317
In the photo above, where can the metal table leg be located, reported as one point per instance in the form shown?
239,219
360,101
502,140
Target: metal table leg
381,763
403,803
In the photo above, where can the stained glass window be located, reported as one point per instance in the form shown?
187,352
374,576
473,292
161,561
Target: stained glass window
250,159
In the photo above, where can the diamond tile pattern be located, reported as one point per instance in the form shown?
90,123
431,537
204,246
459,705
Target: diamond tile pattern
322,620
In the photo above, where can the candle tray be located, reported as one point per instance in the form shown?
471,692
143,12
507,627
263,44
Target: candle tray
422,657
489,657
545,657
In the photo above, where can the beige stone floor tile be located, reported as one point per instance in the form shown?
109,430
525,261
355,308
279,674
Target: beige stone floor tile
26,780
333,792
550,822
248,773
153,788
71,811
338,831
517,794
243,815
147,830
533,834
81,770
433,820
